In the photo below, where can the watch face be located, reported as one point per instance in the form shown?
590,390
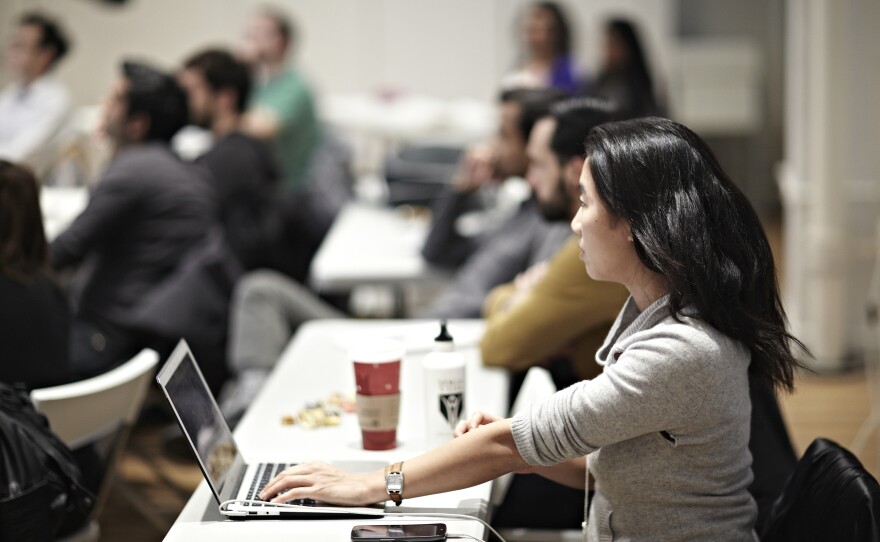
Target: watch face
394,482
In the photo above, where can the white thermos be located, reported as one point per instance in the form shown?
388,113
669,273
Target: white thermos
443,371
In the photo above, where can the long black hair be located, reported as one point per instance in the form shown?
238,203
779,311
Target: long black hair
635,73
692,225
561,29
24,252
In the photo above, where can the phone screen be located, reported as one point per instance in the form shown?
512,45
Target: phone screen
415,532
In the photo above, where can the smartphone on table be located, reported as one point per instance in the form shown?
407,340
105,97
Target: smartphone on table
413,532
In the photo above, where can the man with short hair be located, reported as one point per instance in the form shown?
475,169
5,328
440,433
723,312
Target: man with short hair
242,168
508,244
282,109
489,186
33,109
148,215
552,311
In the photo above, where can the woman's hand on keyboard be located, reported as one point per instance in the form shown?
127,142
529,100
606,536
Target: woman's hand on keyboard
325,483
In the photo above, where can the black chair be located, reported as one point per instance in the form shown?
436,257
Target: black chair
419,174
830,496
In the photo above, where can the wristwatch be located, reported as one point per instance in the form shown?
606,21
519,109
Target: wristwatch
394,482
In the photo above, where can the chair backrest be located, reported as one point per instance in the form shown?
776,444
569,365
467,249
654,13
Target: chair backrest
537,386
85,411
830,496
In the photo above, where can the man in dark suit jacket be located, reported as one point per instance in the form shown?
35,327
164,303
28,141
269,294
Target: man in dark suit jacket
145,228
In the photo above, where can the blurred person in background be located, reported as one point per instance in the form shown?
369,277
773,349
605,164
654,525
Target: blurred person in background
546,59
146,221
266,310
34,108
282,108
488,186
506,244
243,168
625,77
267,226
34,316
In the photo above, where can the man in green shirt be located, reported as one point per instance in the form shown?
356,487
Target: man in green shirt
282,109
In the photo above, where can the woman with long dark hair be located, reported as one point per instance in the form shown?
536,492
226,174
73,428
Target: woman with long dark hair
625,77
666,424
546,60
34,316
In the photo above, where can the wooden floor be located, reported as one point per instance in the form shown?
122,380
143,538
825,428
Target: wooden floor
156,478
833,407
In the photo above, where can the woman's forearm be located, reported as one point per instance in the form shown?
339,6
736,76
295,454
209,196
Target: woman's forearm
477,457
484,453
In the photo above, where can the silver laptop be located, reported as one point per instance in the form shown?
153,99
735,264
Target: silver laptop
228,475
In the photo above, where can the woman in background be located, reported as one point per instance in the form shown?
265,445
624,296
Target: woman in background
667,423
625,77
34,316
546,60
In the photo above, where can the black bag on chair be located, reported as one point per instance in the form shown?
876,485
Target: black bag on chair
41,495
830,496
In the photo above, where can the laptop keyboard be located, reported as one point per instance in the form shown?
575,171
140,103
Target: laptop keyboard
267,472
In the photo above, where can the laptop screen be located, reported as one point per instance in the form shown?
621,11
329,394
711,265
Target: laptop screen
201,418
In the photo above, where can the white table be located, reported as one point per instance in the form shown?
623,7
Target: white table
376,123
370,245
312,367
60,206
410,117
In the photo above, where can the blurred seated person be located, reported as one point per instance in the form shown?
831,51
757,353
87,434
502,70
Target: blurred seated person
265,225
34,316
509,242
552,310
147,217
266,310
35,106
243,168
546,61
282,109
488,187
625,77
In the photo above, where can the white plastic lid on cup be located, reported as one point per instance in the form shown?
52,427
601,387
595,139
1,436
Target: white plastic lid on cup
376,350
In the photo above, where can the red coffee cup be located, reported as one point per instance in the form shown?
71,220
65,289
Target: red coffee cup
377,375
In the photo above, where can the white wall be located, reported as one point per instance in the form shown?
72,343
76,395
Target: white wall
446,49
831,174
